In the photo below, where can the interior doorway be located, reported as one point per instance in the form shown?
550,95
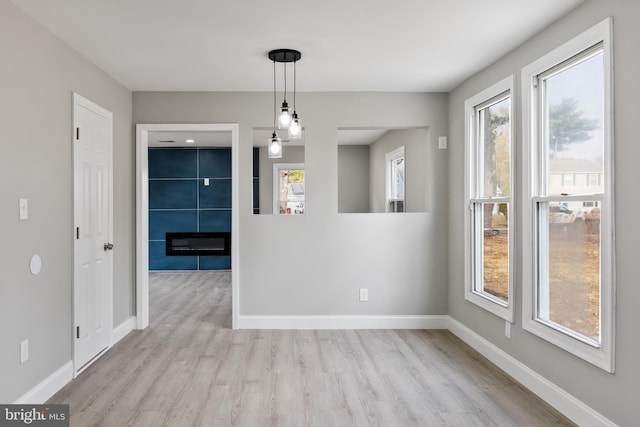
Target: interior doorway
144,135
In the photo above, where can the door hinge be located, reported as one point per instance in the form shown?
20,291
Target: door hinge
77,233
77,134
78,332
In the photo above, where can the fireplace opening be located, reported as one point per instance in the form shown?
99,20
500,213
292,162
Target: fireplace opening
205,243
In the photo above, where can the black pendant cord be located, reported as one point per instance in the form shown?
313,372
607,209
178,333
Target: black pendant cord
275,104
294,86
284,64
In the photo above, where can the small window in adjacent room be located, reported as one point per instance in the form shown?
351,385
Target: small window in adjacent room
288,189
568,280
488,187
395,180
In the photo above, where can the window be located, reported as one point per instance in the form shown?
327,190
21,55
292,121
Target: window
395,180
568,284
288,189
489,218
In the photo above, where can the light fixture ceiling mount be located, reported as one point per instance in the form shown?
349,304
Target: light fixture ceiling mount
285,55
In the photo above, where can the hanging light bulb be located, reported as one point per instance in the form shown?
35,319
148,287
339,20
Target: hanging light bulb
285,115
285,112
274,147
295,127
274,144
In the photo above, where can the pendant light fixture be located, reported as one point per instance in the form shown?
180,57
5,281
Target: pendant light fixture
274,144
295,127
287,120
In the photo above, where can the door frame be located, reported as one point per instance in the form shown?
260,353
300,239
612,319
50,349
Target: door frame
142,213
79,100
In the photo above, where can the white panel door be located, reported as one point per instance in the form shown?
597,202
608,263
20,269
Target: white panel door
93,259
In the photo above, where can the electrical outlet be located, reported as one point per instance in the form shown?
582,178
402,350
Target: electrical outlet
24,351
364,295
507,329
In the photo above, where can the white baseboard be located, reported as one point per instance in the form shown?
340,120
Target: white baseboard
48,387
342,322
568,405
123,329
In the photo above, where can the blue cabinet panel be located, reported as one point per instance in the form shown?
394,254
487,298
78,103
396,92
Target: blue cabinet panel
173,194
158,260
161,222
216,195
173,163
215,220
256,162
215,263
215,162
256,194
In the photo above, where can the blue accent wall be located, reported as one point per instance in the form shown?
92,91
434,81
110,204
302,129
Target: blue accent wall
179,201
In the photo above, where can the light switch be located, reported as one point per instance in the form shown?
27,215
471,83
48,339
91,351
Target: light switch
442,142
206,182
24,209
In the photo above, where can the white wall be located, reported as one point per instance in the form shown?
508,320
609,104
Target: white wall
326,257
613,395
38,74
353,178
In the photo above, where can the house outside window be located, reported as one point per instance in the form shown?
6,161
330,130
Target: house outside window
288,189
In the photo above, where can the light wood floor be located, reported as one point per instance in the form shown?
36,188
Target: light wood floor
188,368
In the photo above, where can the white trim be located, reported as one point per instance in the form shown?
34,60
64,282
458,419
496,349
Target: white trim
574,409
343,322
48,387
602,356
483,299
142,213
123,329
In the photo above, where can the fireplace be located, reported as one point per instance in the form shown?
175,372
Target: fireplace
198,243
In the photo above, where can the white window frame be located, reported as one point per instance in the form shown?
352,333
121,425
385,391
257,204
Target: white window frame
277,167
473,259
602,354
389,158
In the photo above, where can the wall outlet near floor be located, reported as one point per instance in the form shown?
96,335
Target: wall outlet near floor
364,295
24,351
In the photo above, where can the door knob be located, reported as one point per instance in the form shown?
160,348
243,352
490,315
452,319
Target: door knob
108,246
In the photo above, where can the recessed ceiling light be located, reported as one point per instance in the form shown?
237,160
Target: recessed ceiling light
189,141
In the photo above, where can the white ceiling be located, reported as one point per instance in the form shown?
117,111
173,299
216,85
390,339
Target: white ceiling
346,45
